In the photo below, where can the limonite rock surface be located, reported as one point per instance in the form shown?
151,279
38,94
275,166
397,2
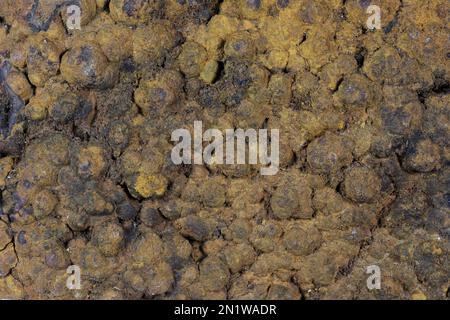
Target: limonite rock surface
86,177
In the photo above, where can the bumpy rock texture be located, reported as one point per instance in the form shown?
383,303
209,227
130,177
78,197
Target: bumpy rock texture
86,177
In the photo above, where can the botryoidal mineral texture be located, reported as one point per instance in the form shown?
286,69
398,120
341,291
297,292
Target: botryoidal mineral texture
86,177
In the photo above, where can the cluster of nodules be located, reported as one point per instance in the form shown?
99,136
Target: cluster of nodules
86,176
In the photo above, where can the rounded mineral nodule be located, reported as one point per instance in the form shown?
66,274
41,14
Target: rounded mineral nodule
361,184
42,60
151,43
126,211
90,161
18,83
65,107
87,66
422,156
44,203
150,215
108,237
328,154
302,241
133,12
